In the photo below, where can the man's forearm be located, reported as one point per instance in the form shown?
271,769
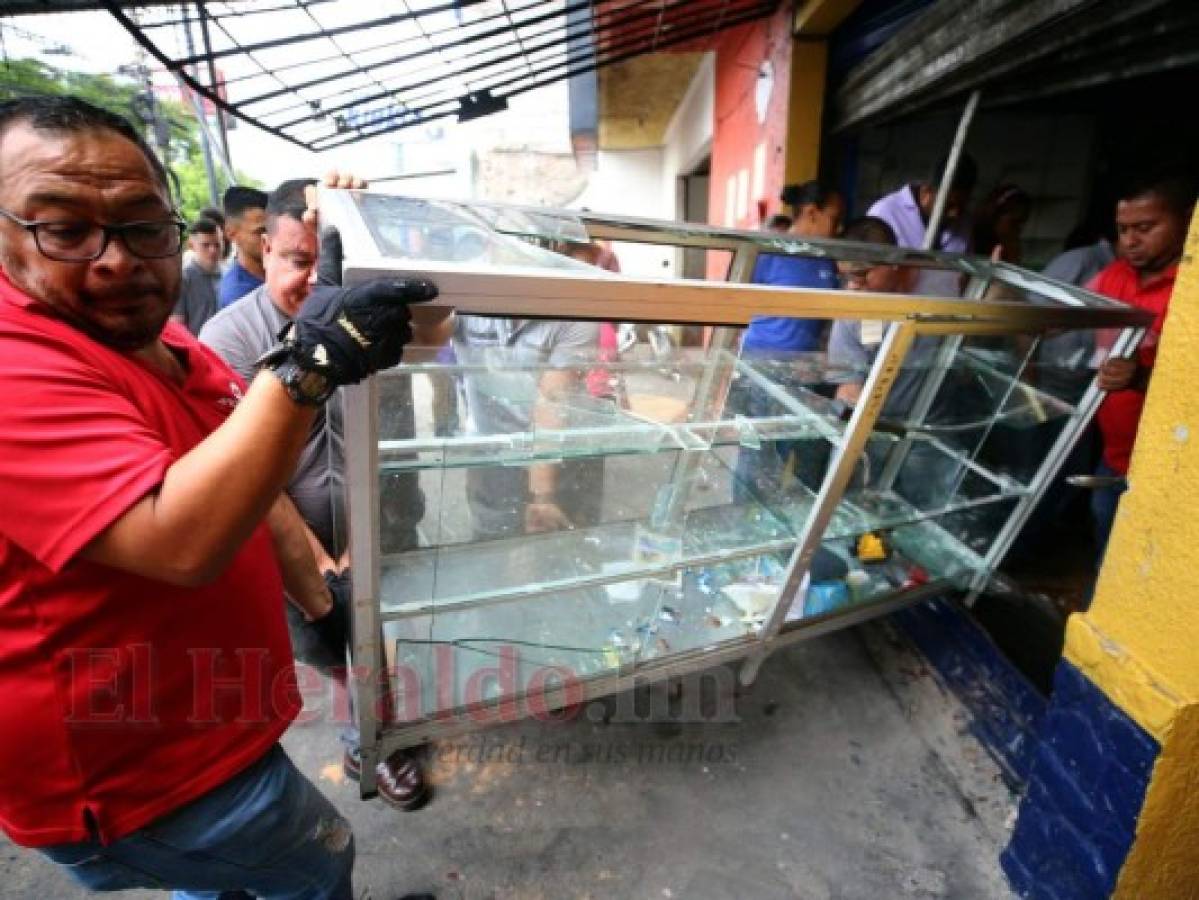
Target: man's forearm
850,392
552,389
211,499
302,578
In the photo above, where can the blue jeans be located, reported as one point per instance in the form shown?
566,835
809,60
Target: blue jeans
1104,502
267,832
760,474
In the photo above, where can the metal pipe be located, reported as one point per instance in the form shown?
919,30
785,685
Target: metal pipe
214,194
933,232
895,346
362,467
209,55
551,75
220,115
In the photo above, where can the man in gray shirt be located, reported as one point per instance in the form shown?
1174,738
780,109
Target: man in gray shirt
240,334
853,344
508,394
201,276
1066,361
243,332
927,474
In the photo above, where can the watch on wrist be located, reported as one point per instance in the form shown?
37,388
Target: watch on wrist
304,386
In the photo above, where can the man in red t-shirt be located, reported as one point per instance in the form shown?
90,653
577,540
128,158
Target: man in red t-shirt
1151,223
145,667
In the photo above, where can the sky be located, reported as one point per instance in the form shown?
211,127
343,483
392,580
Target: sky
109,46
95,42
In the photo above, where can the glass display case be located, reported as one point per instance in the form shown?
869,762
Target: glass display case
546,508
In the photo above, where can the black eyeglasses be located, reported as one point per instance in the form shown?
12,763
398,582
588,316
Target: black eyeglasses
66,241
850,275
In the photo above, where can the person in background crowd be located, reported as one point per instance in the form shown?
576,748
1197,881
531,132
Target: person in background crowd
201,275
601,383
1086,254
524,374
1065,361
779,223
189,256
1151,222
241,334
1064,369
790,197
853,344
818,213
926,477
782,340
908,210
142,548
245,213
999,222
214,214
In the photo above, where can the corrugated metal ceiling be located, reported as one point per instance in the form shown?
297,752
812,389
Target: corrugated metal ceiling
323,73
1016,51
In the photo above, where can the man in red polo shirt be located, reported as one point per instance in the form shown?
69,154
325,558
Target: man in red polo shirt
145,667
1151,224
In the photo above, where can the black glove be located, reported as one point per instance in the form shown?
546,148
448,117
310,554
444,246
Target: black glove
346,334
328,262
332,630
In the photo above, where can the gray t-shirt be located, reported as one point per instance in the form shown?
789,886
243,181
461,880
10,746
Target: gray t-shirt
501,398
849,362
1064,360
197,297
1080,265
241,333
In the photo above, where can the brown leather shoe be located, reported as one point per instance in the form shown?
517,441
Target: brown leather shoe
400,779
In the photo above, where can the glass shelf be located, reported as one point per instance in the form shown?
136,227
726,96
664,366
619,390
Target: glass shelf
431,580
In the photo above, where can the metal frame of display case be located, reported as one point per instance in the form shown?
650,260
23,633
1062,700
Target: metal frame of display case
594,295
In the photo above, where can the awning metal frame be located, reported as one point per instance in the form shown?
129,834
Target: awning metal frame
473,70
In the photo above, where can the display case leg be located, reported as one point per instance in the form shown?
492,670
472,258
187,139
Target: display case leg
748,673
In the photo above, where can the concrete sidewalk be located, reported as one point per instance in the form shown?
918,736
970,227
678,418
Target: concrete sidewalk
845,772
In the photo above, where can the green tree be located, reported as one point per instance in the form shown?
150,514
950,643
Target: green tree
28,77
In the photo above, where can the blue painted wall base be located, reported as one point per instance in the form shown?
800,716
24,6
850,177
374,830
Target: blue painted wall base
1084,764
1086,785
1005,708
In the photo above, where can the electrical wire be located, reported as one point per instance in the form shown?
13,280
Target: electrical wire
463,644
530,58
552,74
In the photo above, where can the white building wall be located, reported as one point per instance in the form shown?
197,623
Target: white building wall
647,182
688,140
628,182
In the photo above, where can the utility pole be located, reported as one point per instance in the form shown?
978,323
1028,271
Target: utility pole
212,82
147,110
214,191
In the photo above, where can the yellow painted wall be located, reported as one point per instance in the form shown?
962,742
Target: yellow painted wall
820,17
805,108
1164,861
812,21
1144,623
1139,642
